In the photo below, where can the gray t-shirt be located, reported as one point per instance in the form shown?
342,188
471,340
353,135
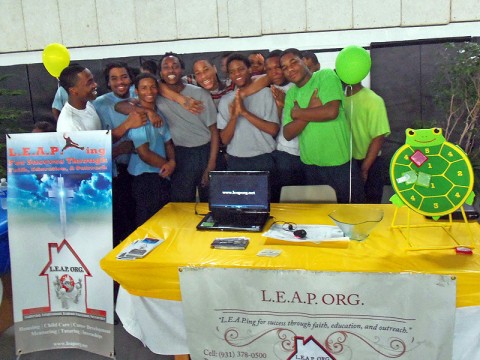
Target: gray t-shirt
248,140
283,144
188,129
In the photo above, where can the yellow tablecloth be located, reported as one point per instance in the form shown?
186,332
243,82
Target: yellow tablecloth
385,250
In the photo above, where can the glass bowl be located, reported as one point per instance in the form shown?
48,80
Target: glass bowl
356,221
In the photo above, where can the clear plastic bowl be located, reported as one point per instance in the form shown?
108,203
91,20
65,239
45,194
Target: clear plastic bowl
356,221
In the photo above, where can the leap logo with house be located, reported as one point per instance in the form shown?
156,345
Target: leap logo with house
67,275
66,278
309,349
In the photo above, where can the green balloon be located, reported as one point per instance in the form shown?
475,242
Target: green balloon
353,64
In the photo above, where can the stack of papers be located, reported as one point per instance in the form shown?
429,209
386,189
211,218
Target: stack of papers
315,233
139,249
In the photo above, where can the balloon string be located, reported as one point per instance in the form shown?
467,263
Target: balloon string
349,121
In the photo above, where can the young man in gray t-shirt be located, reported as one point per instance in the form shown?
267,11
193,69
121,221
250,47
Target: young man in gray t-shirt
195,135
247,126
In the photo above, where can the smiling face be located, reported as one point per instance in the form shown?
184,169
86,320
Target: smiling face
205,75
294,69
85,88
171,71
147,91
424,137
274,70
239,73
119,81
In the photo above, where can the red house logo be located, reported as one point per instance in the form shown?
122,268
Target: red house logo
66,276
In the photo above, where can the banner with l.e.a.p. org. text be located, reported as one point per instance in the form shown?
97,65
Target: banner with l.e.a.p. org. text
60,226
303,315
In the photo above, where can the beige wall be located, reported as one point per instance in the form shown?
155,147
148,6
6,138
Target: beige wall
29,25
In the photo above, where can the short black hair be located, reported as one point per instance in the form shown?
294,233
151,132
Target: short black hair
149,65
292,51
202,59
69,76
239,57
171,54
226,54
274,53
310,55
116,65
44,126
256,53
142,76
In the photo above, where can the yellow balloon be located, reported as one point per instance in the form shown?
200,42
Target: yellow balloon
55,58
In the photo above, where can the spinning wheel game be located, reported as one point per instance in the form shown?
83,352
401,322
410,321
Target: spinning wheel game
431,176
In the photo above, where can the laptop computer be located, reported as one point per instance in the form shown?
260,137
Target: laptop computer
238,201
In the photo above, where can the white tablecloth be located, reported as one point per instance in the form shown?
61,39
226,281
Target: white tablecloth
157,323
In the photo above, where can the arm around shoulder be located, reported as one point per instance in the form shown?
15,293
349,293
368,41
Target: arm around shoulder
136,118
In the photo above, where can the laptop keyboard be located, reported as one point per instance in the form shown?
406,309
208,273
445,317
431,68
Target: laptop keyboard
244,219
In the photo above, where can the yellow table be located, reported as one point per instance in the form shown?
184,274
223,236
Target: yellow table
385,250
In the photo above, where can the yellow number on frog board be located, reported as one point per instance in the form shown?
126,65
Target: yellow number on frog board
460,173
433,186
457,195
435,205
427,150
430,166
450,154
412,198
406,157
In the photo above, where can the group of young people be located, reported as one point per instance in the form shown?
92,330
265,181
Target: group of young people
281,113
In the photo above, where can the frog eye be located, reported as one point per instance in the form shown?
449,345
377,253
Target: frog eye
437,131
411,132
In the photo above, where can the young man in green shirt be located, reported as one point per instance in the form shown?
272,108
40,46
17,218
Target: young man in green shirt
367,115
314,112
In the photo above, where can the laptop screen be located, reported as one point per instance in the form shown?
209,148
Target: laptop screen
239,190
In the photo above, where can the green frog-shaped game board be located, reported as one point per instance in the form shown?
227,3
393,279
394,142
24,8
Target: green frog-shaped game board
431,175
